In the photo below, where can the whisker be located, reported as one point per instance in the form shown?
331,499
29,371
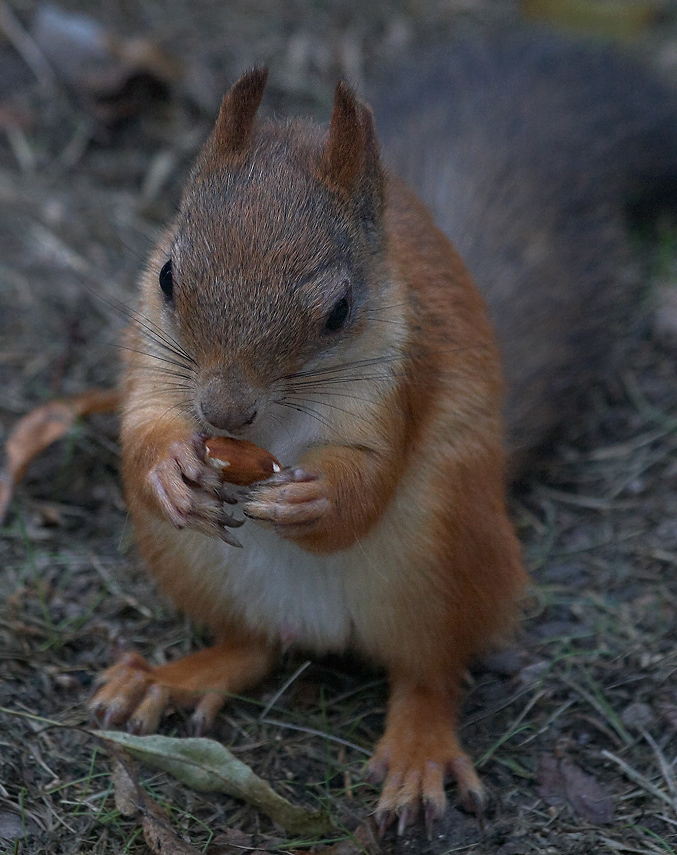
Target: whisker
153,337
317,389
394,321
326,404
173,387
371,362
279,422
357,363
160,336
157,338
306,411
159,369
148,353
181,410
355,378
152,329
385,308
135,316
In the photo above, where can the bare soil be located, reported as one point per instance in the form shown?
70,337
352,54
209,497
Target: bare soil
574,731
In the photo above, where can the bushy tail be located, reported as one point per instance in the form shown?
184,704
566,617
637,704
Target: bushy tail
530,149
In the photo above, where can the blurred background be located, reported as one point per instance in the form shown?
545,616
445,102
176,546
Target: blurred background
103,105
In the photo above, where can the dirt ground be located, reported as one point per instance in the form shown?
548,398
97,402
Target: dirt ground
574,731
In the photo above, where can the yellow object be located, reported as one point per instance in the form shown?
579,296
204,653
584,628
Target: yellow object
619,19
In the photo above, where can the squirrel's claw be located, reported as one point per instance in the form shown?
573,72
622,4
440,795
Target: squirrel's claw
229,538
121,688
135,693
403,795
190,494
129,694
472,794
290,501
417,750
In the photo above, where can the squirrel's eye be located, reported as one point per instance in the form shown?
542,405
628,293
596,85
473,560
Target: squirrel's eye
166,280
338,315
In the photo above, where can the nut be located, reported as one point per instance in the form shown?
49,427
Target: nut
239,461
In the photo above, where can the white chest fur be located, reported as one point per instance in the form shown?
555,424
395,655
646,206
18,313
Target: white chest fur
299,597
316,601
273,583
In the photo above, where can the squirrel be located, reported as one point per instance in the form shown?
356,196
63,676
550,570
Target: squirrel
307,300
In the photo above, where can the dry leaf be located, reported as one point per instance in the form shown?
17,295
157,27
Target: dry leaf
234,841
669,712
131,799
562,780
125,785
586,795
159,834
208,766
363,841
43,426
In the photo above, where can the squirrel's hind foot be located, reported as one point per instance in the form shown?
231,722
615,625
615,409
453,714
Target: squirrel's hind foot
136,694
419,748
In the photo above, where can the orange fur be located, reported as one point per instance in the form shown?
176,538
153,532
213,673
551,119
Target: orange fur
392,537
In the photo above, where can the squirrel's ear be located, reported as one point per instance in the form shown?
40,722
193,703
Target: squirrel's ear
238,111
352,152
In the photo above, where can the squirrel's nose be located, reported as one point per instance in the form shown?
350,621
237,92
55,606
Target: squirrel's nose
225,410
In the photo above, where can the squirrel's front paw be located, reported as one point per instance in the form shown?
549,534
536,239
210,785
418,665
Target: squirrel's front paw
292,502
190,493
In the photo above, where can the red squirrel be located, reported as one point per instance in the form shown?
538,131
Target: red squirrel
305,300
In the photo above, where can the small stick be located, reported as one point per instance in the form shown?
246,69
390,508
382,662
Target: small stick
26,47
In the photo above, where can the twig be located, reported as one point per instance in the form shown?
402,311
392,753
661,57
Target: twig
312,732
638,778
664,766
26,47
276,697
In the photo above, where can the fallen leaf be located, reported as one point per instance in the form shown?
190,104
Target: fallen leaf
586,795
637,715
42,427
363,841
234,841
159,834
131,800
562,781
551,784
125,786
208,766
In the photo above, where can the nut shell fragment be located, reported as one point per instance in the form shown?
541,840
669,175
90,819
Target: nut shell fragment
239,461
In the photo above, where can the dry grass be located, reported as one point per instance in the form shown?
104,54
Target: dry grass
594,679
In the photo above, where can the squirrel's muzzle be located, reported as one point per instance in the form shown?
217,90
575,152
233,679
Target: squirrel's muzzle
227,405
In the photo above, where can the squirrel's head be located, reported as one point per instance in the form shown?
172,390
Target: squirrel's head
277,254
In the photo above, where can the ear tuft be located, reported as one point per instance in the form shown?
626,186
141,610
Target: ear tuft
238,111
343,157
351,161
